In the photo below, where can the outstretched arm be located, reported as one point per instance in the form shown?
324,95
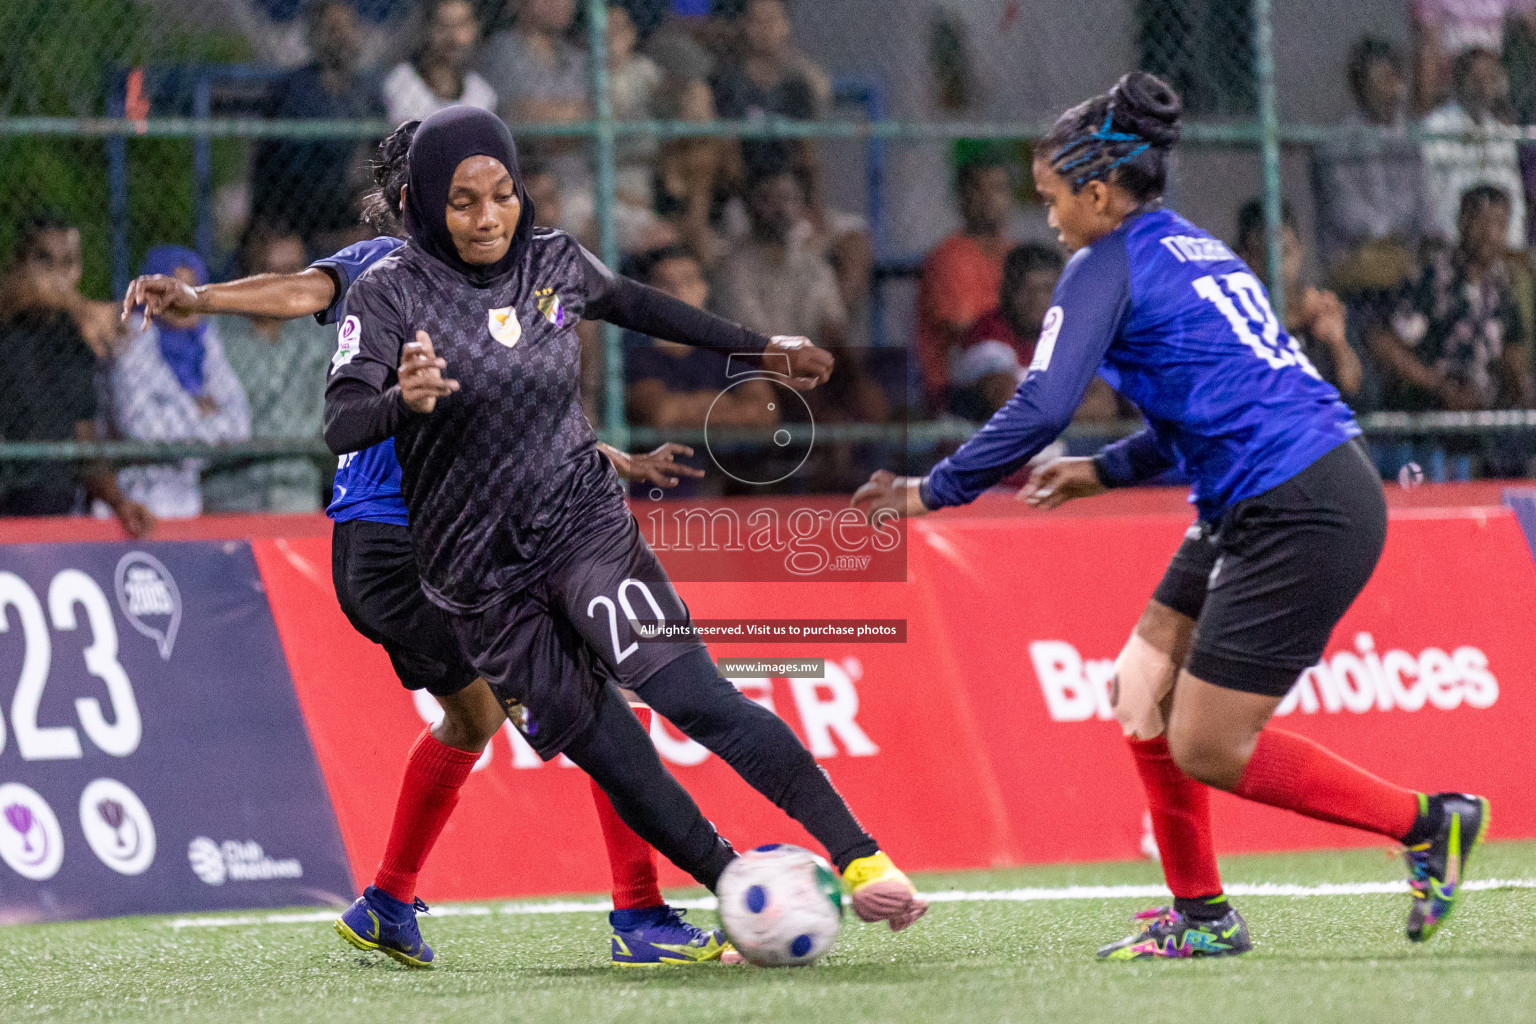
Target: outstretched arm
1089,307
279,296
637,307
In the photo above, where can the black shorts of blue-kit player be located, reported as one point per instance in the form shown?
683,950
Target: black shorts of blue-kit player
1289,563
379,589
1184,582
554,648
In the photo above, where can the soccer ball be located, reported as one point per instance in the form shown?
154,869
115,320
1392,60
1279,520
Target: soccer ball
781,905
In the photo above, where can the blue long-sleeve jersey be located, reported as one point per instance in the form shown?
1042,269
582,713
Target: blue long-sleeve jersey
367,483
1182,328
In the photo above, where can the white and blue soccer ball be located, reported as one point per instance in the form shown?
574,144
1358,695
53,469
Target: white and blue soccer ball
781,905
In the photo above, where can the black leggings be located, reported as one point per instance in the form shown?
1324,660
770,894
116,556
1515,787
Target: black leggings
754,741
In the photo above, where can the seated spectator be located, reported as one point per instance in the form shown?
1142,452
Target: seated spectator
995,354
1484,152
172,383
52,392
962,276
1313,317
774,283
538,75
673,385
634,80
310,183
438,73
770,77
1369,181
282,367
1443,29
1456,340
686,190
274,30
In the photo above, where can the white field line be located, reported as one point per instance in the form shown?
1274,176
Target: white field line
1035,895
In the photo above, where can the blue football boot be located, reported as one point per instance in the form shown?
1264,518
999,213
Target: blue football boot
379,921
657,936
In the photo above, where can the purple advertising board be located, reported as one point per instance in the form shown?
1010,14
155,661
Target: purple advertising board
153,757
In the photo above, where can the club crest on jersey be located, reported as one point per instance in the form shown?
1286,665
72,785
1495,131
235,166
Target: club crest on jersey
550,307
504,325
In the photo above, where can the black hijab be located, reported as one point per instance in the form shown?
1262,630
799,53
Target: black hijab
445,140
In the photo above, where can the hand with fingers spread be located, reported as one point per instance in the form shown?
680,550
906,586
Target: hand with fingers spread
808,365
157,294
659,468
1059,481
421,375
886,496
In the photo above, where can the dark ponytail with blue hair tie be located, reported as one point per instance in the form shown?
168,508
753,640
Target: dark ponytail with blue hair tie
1123,137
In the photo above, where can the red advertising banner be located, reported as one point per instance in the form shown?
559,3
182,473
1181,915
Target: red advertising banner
985,738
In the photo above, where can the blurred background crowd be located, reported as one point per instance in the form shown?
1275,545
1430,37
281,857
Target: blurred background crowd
922,259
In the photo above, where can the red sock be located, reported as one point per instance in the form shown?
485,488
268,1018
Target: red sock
1292,772
1181,820
630,858
428,793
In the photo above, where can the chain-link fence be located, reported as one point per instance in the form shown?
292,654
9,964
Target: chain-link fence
851,170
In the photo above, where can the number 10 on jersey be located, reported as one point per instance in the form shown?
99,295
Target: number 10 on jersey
1243,289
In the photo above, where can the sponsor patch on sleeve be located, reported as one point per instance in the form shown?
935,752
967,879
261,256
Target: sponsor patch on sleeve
1046,346
348,341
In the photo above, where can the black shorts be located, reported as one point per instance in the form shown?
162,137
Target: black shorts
547,650
1267,584
379,588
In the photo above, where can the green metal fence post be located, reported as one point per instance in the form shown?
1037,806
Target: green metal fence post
614,424
1269,149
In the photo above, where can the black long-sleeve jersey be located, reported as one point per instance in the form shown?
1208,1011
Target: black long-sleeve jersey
505,469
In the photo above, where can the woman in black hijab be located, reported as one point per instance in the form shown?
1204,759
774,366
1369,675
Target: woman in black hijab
519,524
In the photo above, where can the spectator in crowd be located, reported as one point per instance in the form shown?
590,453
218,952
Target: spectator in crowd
47,267
1456,340
673,386
772,282
775,283
1313,317
538,74
1369,181
677,386
1443,29
52,392
687,189
540,77
172,383
961,277
1481,149
282,367
275,30
310,183
769,77
438,73
634,81
996,350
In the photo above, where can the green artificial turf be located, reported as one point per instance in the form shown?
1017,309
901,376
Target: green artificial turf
1319,958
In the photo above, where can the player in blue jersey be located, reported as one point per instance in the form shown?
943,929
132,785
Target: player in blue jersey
1291,516
378,587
